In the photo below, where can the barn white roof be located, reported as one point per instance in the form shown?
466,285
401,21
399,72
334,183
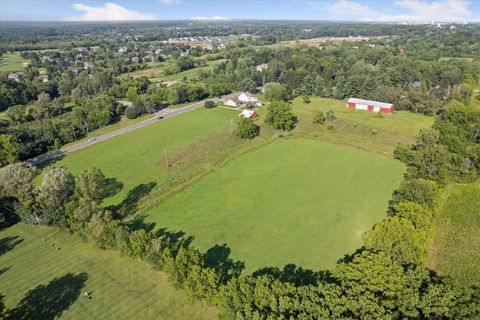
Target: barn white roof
371,103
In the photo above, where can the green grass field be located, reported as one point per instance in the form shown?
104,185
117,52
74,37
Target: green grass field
156,73
293,201
137,158
120,288
11,62
455,251
361,129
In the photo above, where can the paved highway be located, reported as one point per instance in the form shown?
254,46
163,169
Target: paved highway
162,114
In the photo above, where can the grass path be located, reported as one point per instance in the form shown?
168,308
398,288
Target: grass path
121,288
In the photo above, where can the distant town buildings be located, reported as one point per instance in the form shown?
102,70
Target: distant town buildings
17,77
261,67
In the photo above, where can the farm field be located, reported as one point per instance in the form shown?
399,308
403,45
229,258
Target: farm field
136,159
295,201
455,251
11,62
61,269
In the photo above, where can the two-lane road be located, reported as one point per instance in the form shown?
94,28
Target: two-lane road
162,114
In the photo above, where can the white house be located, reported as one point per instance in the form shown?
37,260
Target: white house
261,67
233,103
247,97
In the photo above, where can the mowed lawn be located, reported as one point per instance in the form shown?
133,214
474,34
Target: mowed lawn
11,62
62,268
456,247
295,201
136,158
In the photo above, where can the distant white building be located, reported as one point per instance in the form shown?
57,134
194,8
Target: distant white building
87,65
251,114
261,67
17,77
243,99
247,97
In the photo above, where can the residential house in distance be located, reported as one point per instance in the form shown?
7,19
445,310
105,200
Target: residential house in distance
251,114
261,67
87,65
247,97
17,77
243,98
44,77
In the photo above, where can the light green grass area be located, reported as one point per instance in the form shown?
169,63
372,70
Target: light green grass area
455,250
293,201
120,288
137,158
11,62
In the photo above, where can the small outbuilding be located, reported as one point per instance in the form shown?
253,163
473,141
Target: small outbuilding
370,105
251,114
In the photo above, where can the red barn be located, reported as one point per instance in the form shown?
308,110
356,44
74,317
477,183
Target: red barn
369,105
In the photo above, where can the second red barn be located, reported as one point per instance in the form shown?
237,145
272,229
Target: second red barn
370,105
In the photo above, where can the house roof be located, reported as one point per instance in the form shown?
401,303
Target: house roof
247,113
371,103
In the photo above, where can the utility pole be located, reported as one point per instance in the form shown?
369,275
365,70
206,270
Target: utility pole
166,157
39,222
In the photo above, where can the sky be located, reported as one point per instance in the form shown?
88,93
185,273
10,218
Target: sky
346,10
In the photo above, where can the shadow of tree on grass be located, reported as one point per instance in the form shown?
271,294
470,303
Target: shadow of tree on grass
47,302
294,275
111,187
129,204
8,243
218,257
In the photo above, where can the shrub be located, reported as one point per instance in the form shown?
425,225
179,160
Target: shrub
319,117
331,115
306,99
247,129
209,104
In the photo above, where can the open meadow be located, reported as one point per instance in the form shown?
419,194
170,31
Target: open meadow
293,201
47,279
455,249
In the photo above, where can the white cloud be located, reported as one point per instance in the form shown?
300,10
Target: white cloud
211,18
109,12
351,9
445,10
413,10
171,1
